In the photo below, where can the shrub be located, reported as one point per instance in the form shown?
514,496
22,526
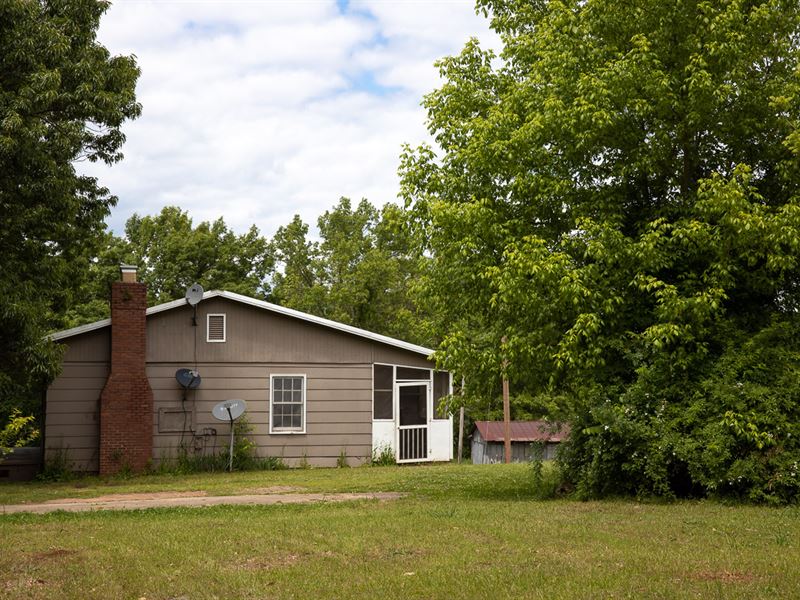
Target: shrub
731,430
243,446
18,432
341,460
56,467
382,456
304,464
545,477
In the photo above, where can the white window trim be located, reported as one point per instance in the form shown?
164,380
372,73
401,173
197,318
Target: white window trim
281,431
224,328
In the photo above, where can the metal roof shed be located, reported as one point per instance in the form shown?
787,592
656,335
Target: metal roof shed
488,439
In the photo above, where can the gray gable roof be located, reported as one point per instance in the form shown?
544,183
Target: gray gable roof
295,314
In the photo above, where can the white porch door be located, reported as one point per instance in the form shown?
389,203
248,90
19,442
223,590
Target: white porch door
413,411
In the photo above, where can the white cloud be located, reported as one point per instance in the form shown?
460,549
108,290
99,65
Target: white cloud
255,111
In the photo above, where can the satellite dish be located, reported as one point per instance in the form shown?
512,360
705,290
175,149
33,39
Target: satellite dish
194,294
229,410
188,378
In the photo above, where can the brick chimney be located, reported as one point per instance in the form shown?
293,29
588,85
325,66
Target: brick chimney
126,404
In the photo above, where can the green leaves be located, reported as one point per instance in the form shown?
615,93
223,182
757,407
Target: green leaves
172,254
62,99
361,272
618,197
18,432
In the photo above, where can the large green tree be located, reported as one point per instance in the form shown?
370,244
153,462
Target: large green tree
63,99
617,194
296,283
172,254
360,272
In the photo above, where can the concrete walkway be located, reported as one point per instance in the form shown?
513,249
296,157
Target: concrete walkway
167,499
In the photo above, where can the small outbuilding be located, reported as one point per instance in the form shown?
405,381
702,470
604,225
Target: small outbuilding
488,440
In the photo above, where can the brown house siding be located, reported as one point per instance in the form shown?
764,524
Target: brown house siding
398,356
73,402
337,365
338,409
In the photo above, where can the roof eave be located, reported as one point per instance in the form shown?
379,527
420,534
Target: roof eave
376,337
60,335
327,323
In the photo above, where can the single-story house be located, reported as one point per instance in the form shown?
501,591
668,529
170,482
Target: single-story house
488,440
316,390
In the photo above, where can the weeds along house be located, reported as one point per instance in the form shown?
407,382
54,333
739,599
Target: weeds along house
316,390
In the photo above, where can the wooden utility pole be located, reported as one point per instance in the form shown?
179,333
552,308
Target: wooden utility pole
506,408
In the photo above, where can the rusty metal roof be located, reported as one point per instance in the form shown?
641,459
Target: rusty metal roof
523,431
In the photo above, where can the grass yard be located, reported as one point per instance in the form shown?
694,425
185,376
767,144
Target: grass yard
461,532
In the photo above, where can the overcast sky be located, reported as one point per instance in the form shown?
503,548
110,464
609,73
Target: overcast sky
259,110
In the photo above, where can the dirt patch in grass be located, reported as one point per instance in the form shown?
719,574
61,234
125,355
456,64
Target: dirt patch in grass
396,553
279,560
724,576
195,499
28,583
275,489
52,554
125,497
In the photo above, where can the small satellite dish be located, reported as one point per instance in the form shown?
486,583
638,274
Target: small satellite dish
229,410
188,378
194,294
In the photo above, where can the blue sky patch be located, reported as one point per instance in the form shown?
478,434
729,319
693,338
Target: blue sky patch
347,8
364,81
210,30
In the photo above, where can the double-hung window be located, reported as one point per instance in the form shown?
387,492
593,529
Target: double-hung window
287,404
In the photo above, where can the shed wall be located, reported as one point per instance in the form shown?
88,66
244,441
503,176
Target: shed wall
477,449
484,453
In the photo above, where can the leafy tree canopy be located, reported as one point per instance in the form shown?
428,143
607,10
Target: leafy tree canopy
63,98
617,194
360,271
171,255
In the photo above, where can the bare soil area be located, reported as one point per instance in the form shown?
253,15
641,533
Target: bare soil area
195,498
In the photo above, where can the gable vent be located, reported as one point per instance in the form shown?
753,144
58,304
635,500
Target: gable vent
216,328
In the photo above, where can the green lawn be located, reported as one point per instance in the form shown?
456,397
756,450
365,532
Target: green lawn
461,532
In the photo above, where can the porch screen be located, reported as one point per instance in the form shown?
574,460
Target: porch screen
382,381
411,374
441,388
